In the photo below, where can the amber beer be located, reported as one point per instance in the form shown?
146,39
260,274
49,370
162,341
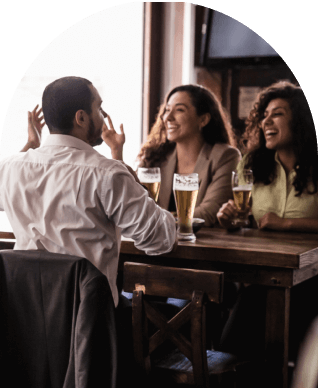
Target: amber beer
150,178
242,195
185,203
153,188
242,183
185,189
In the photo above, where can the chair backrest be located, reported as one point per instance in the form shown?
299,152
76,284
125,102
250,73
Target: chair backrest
173,282
57,324
194,285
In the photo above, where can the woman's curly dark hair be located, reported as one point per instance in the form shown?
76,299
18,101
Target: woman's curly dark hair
218,130
261,159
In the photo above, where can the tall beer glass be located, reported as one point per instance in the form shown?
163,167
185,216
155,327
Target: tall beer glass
242,183
151,178
185,188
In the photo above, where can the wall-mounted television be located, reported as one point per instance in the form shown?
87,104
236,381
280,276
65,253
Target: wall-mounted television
227,42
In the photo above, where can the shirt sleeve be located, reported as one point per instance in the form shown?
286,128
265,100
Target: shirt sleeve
219,190
129,206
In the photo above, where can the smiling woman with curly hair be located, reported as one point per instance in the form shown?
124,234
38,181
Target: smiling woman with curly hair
281,148
192,134
281,145
218,129
304,141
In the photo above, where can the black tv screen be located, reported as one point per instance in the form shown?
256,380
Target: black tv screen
229,41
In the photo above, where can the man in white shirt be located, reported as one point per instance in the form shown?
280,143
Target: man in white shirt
65,197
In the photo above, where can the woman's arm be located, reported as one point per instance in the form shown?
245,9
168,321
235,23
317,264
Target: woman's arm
274,222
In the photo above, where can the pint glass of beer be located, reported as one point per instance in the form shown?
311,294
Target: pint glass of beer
242,183
185,189
151,178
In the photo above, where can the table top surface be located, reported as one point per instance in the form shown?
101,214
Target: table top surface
244,246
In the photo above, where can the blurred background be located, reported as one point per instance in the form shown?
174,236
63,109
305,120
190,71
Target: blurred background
134,53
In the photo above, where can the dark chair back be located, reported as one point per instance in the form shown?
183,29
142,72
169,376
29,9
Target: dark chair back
194,285
173,282
57,322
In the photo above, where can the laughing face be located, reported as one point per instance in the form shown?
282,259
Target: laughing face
276,125
181,119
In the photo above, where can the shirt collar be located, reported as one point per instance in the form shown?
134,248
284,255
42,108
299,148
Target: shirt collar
292,173
66,141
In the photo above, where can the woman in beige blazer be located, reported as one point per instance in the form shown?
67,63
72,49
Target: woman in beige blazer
191,134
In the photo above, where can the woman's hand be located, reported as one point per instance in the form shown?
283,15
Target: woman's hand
114,140
272,221
226,214
35,125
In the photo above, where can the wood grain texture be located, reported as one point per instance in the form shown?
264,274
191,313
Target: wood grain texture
246,246
173,282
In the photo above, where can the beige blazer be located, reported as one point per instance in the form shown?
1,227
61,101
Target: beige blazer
214,166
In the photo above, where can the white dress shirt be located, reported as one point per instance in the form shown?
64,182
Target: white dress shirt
65,197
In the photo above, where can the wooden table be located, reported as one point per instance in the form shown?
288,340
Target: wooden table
277,261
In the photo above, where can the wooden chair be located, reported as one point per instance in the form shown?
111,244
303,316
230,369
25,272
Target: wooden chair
190,362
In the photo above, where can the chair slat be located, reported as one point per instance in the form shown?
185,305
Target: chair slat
138,328
200,366
159,281
167,330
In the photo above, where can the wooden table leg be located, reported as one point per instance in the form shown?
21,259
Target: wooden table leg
276,336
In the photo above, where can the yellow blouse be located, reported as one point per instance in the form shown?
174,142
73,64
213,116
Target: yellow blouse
279,197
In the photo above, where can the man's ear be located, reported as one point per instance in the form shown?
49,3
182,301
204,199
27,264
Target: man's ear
80,118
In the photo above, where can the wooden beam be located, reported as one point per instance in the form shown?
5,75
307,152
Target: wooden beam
152,64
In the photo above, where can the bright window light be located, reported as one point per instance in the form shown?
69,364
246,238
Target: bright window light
105,48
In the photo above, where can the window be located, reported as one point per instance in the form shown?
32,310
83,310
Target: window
88,49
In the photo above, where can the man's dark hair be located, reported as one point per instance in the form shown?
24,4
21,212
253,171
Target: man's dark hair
62,99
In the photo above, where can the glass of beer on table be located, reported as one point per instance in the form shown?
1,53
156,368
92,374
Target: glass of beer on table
185,189
242,183
151,178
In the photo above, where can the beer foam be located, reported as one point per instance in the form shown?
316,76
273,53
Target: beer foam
185,183
149,178
186,188
243,188
146,176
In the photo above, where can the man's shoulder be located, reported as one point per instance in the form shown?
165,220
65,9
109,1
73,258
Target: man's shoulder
99,161
90,159
7,159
